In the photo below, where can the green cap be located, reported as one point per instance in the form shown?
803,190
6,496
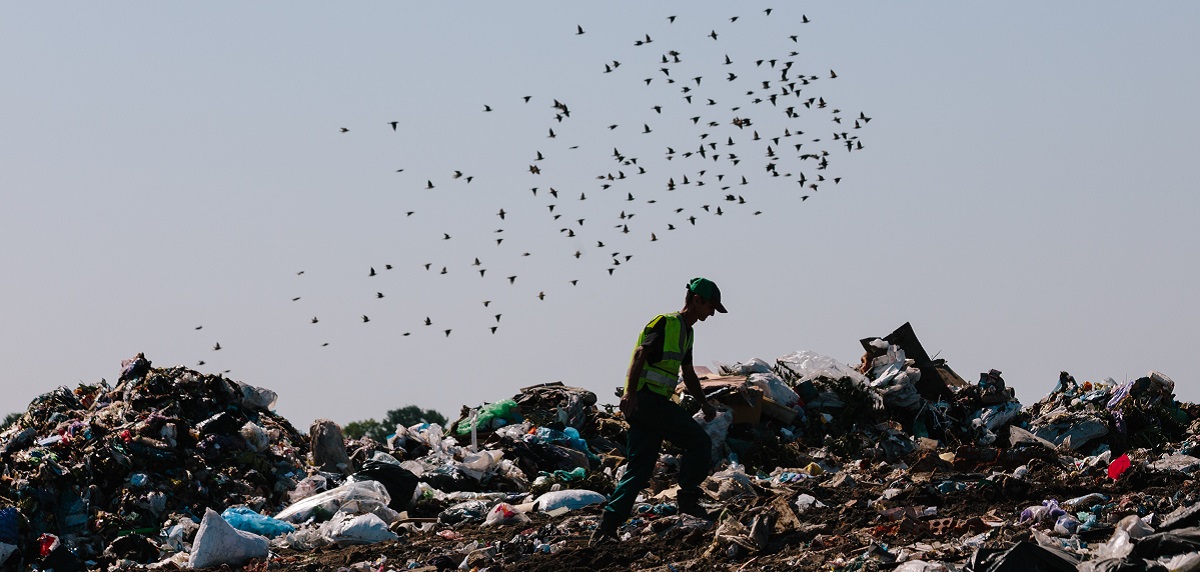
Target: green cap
708,290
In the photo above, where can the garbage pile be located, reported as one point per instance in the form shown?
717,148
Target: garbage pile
896,463
91,474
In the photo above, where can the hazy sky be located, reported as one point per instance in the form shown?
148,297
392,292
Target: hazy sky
1022,194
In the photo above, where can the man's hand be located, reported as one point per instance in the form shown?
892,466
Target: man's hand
708,409
629,404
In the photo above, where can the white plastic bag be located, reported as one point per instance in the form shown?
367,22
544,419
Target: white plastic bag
1189,562
255,437
364,496
257,397
571,499
717,429
744,368
504,513
774,388
476,465
345,529
219,543
806,366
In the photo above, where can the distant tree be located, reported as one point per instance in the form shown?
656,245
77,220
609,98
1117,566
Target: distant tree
406,416
9,420
356,429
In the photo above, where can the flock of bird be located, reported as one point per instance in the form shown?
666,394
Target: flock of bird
717,136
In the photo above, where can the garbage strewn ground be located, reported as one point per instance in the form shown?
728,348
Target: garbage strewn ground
897,463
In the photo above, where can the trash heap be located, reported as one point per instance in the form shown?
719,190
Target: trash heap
896,463
91,474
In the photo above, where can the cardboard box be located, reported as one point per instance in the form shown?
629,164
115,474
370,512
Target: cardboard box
777,411
743,399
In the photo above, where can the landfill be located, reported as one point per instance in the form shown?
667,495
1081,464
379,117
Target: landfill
894,463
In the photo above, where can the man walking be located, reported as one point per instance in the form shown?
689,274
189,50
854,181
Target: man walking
663,350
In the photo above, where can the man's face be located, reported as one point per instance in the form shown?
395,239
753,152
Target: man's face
707,308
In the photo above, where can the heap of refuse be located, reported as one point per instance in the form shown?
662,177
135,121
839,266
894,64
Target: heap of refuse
895,463
91,474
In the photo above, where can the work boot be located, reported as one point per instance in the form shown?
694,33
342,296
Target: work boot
689,503
606,531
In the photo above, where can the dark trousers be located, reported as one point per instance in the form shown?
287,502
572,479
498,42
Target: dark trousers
659,418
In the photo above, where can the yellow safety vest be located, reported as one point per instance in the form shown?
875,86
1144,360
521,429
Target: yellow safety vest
662,376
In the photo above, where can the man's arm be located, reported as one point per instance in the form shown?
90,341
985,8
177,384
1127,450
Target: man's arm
629,399
692,382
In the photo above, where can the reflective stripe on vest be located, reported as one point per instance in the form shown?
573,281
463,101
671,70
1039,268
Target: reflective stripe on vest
662,376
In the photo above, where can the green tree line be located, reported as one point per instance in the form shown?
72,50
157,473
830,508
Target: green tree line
379,430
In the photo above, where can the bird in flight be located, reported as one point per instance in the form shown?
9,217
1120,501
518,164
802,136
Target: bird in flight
578,32
217,346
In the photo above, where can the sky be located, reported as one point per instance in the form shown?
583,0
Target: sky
174,176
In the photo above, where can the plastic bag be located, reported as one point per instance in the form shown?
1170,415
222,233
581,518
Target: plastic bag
255,437
807,366
717,428
775,389
571,499
504,513
400,483
492,416
469,511
347,529
307,487
366,496
806,501
242,518
219,543
1118,466
257,397
476,465
744,368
